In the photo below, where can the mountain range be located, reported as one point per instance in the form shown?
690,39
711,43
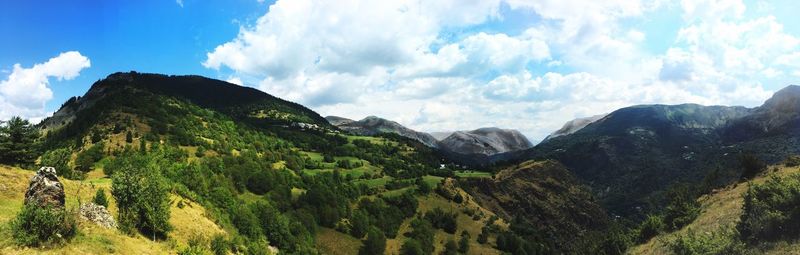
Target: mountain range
483,141
316,185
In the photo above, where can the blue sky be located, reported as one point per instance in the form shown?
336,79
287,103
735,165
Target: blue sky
430,65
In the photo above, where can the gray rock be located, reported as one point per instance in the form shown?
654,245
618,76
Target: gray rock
98,214
45,189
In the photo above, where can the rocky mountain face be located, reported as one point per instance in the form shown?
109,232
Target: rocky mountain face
372,125
544,194
485,141
573,126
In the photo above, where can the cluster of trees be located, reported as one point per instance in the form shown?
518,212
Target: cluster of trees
142,193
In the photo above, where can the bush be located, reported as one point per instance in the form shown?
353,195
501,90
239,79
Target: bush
219,245
442,220
650,227
463,243
35,225
722,242
682,207
100,198
771,210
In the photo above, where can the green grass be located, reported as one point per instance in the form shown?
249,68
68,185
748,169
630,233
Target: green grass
473,174
372,183
432,180
315,156
249,197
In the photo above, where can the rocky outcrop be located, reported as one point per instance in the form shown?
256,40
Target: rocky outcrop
97,214
45,189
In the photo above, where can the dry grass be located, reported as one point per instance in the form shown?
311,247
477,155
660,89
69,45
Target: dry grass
187,222
722,208
332,242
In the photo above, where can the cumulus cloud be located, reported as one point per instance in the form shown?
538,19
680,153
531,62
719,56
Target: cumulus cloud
446,65
26,90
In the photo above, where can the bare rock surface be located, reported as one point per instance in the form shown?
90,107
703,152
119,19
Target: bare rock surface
97,214
45,189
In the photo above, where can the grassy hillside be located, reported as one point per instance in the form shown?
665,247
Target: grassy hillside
721,212
189,221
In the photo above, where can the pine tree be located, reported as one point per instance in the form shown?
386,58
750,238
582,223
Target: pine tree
375,243
18,142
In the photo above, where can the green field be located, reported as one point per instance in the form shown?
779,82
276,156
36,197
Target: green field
473,174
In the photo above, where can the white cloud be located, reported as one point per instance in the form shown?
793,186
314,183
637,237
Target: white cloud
179,2
441,65
26,90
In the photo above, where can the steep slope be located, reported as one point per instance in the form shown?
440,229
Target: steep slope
573,126
635,152
486,141
372,125
547,196
721,211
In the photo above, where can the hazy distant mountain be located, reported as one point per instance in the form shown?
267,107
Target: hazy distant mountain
374,125
441,135
486,141
573,126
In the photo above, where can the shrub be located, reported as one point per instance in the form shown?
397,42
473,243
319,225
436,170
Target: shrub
100,198
722,242
463,243
442,220
682,207
650,227
35,225
219,245
771,210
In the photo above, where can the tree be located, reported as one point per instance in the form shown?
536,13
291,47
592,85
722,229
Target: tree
100,198
129,137
360,224
412,247
59,159
86,159
18,142
141,193
423,187
375,243
751,166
